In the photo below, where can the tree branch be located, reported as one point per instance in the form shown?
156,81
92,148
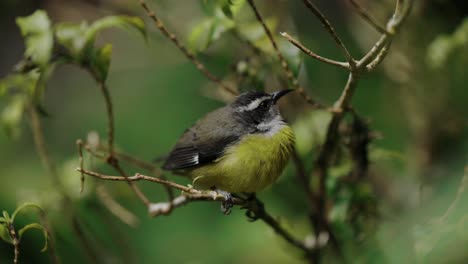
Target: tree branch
192,195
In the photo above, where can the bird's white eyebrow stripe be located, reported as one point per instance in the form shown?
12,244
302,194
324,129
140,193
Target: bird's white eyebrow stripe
252,105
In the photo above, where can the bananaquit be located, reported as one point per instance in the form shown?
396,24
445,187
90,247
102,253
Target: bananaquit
240,148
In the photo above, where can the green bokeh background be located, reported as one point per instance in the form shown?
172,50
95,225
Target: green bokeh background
157,93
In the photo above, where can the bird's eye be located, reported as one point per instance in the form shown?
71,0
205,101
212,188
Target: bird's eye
264,104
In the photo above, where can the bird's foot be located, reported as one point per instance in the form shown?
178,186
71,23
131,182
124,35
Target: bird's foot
228,203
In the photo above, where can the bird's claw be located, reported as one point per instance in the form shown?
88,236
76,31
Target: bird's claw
228,203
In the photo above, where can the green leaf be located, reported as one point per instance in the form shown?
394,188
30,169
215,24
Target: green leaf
114,21
231,8
208,31
78,39
35,226
26,206
6,216
2,220
19,83
36,30
310,130
100,61
12,115
71,36
5,234
255,34
291,54
444,46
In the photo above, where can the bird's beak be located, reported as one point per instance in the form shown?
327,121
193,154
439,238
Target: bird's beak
277,95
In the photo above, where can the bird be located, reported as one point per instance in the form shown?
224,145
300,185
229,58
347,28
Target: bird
242,147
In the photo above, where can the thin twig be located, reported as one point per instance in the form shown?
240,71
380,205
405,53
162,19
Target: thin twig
51,245
379,58
375,55
326,24
312,54
110,116
137,177
79,145
461,189
280,56
85,243
368,18
190,56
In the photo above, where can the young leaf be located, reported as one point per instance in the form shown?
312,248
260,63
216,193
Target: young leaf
444,46
12,115
6,216
35,226
100,61
208,31
113,21
36,30
230,8
25,206
71,37
5,234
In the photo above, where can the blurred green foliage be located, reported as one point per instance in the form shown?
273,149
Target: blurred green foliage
156,92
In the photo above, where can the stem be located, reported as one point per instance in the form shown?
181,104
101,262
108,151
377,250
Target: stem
14,236
189,55
326,24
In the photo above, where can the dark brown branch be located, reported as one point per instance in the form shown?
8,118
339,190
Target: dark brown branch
192,195
368,18
190,56
300,46
326,24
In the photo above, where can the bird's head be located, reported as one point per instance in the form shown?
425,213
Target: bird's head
258,109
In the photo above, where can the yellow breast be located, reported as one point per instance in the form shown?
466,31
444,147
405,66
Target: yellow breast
250,165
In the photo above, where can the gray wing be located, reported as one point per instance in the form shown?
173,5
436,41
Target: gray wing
204,142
